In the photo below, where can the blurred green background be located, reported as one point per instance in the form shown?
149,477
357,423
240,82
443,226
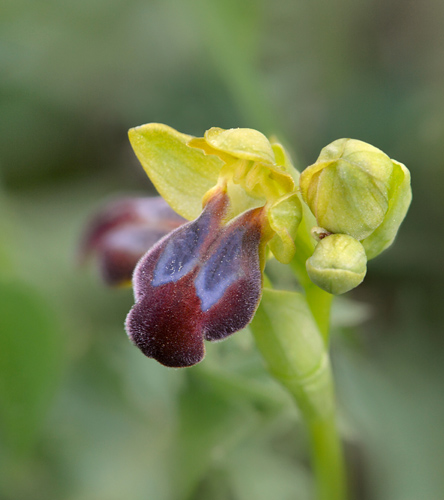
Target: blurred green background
83,415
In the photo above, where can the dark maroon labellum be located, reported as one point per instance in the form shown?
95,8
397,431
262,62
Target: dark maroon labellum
202,281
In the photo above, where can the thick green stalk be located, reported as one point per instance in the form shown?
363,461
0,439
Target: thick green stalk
315,397
289,338
318,300
320,306
326,447
327,458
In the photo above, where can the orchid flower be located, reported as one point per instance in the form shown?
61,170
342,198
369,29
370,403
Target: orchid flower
122,231
203,281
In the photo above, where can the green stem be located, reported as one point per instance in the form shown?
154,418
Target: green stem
327,457
290,341
326,448
315,398
312,397
318,300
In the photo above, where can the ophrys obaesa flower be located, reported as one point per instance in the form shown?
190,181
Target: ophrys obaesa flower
203,280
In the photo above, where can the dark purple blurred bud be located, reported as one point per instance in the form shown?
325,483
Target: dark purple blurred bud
203,281
122,232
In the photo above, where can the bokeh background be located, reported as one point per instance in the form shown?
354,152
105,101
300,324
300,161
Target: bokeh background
83,415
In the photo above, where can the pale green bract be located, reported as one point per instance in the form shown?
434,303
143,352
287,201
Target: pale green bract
292,346
400,197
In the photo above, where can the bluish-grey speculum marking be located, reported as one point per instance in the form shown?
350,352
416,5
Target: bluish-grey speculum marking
181,253
221,270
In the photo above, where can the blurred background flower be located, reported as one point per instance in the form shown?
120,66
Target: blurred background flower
84,416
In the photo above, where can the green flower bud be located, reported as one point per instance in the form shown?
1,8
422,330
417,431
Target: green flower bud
338,264
348,188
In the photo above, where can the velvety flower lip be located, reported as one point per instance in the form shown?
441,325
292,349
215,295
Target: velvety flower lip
121,233
202,281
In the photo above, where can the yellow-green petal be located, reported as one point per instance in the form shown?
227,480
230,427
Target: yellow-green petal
201,143
244,143
181,174
283,160
284,217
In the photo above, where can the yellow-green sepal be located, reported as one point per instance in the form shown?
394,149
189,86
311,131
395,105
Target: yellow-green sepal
284,217
181,174
400,197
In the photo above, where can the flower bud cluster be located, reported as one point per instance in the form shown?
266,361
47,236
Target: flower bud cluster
359,197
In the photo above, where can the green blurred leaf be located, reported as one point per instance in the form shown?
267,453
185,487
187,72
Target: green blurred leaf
30,355
209,423
348,313
234,57
396,407
257,471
